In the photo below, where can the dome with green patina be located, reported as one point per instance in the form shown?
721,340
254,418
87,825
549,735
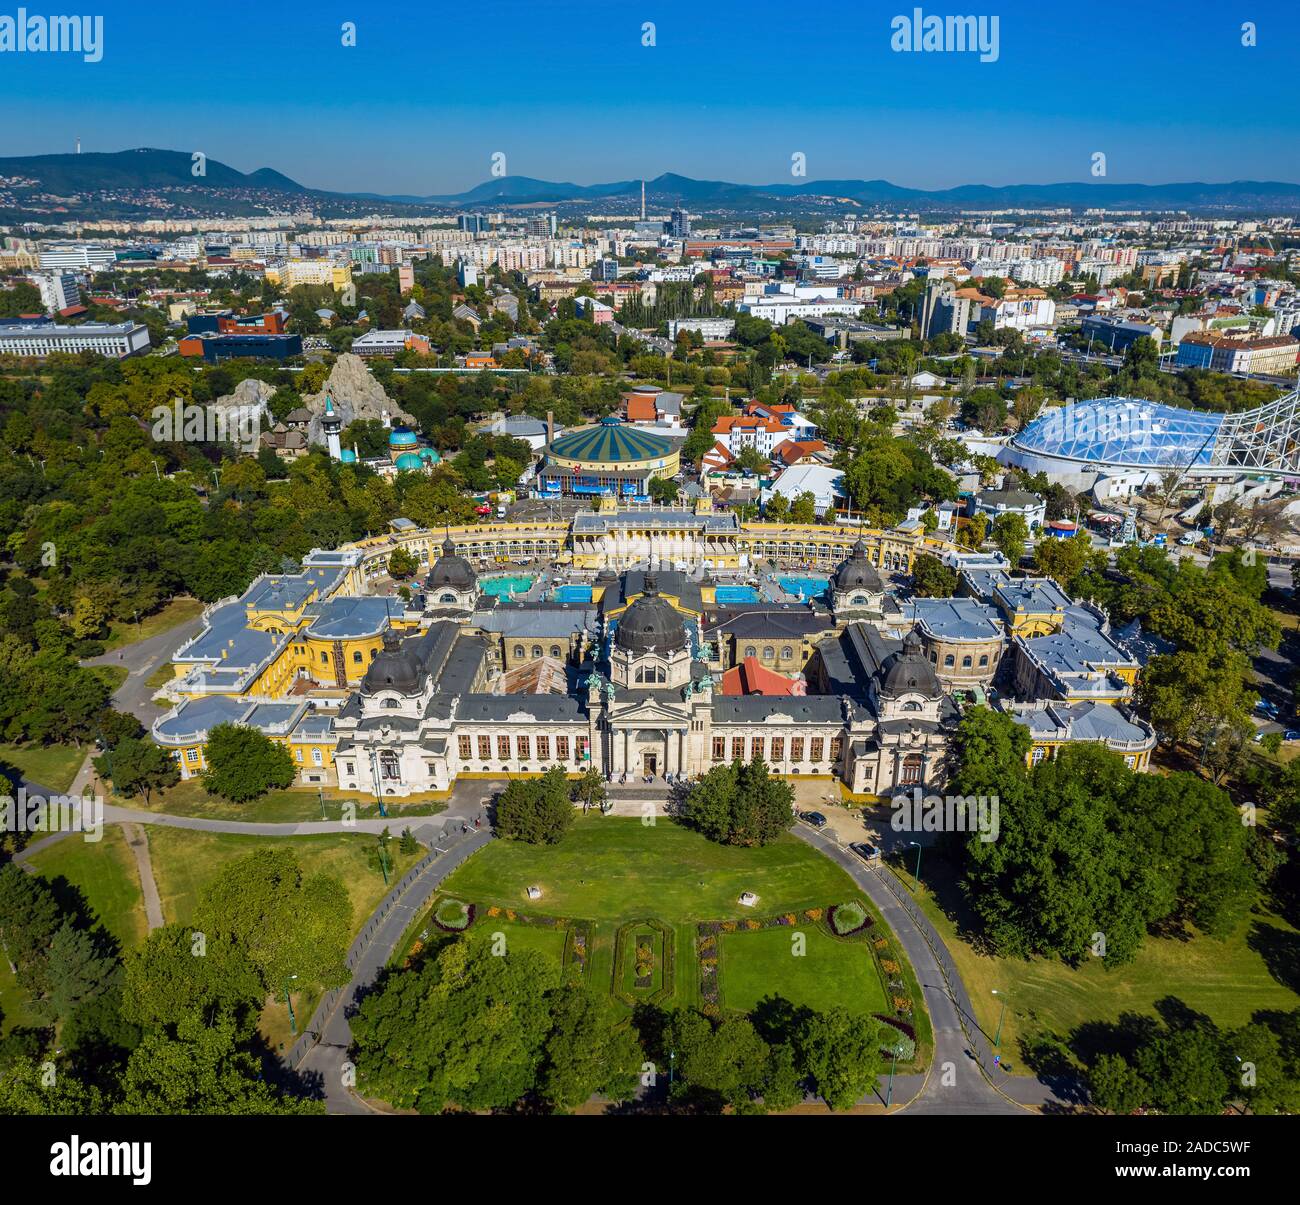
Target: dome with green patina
409,462
611,442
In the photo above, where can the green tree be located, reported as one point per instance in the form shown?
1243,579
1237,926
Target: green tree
1115,1086
931,578
179,969
79,970
740,804
587,1051
718,1065
536,810
841,1052
1010,533
402,563
137,767
803,509
243,763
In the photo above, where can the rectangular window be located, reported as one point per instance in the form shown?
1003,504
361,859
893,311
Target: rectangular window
485,747
755,748
316,759
836,743
561,748
778,749
737,748
719,748
522,744
796,748
503,748
1038,754
298,754
816,755
466,750
581,753
543,748
347,767
191,755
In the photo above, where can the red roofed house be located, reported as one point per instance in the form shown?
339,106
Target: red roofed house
751,678
792,451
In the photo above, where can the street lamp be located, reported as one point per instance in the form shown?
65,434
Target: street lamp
889,1092
293,1024
917,875
672,1056
1002,1012
321,792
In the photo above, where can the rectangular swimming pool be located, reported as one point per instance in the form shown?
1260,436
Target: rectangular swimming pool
571,594
729,596
504,587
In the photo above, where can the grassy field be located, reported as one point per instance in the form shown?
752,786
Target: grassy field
191,798
1227,979
53,766
178,611
186,861
832,972
111,676
614,868
105,874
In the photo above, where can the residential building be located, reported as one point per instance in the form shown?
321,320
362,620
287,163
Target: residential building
39,339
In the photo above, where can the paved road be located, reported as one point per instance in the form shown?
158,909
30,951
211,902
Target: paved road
954,1083
140,660
324,1065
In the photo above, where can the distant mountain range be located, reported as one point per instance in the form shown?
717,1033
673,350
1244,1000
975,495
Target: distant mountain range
97,177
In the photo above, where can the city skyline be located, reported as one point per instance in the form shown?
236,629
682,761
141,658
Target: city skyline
405,112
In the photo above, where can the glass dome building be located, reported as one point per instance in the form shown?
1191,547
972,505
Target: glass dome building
1117,434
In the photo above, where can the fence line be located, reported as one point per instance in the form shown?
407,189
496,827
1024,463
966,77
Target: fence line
311,1035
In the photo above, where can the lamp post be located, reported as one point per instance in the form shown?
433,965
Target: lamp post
672,1056
917,874
293,1024
383,858
889,1092
1002,1012
321,792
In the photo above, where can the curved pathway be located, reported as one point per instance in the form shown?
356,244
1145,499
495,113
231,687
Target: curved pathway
962,1077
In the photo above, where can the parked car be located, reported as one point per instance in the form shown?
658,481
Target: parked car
816,819
866,851
1267,707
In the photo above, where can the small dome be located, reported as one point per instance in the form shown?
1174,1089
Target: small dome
858,573
347,456
392,669
429,455
909,671
409,461
400,437
651,624
451,571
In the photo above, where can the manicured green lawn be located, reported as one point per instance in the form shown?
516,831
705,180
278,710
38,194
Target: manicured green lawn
547,942
186,861
760,963
614,868
53,766
1228,979
175,612
105,873
190,798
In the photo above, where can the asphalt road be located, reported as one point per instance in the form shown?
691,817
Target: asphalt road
140,659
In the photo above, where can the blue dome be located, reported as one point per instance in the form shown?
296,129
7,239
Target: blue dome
348,456
1121,432
430,455
409,461
402,438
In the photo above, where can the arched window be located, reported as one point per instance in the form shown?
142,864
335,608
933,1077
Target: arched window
787,653
447,598
555,650
751,651
934,657
949,661
984,660
859,600
768,654
356,656
965,662
537,650
519,650
912,764
911,705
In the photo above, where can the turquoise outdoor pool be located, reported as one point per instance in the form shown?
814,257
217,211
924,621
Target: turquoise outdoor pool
730,596
571,594
809,587
504,587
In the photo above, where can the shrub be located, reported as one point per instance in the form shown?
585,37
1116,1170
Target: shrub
454,916
847,918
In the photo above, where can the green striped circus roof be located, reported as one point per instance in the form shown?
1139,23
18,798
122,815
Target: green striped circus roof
611,442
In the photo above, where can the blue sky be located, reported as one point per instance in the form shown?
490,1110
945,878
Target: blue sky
731,89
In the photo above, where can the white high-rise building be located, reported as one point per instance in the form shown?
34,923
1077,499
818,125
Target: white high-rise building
59,290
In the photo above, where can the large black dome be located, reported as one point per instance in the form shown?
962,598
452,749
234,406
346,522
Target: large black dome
651,625
392,669
909,671
858,573
451,571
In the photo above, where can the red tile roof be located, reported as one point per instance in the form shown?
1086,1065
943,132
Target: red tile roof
751,678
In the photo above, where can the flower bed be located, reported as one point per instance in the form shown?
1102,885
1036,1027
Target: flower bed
845,919
641,948
577,946
453,916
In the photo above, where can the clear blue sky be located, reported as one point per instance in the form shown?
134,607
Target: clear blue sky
731,89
